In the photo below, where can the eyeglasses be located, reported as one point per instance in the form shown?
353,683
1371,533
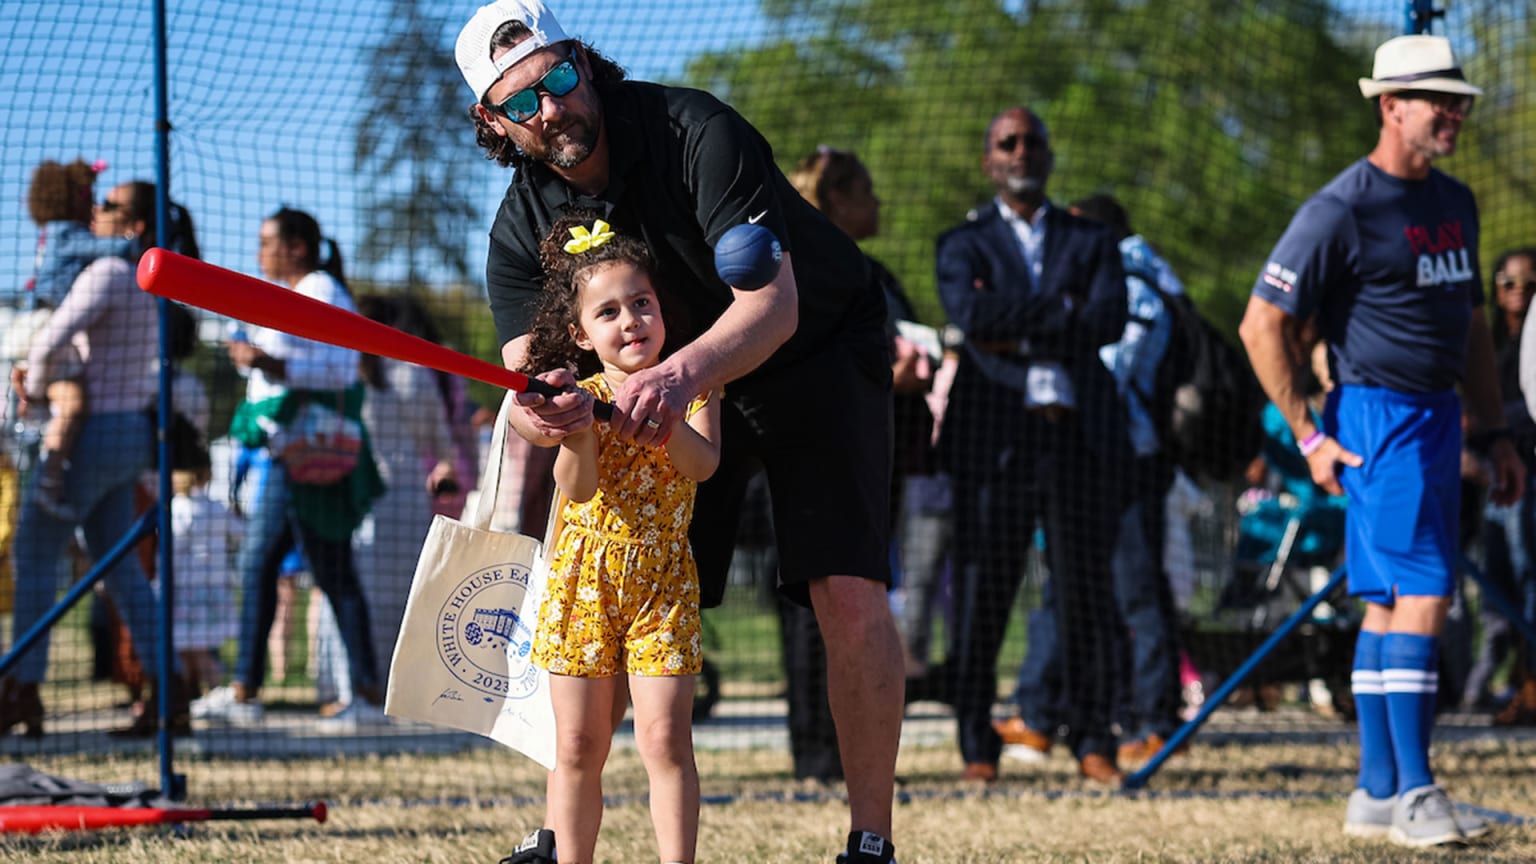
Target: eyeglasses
1458,104
523,105
1506,283
1033,141
107,205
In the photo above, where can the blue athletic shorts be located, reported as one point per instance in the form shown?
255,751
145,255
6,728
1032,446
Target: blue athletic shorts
1401,531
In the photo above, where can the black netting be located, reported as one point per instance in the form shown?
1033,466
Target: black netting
1210,122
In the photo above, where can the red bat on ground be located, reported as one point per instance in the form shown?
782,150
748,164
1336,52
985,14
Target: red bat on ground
254,301
33,820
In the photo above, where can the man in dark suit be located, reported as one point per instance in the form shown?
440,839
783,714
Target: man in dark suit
1033,432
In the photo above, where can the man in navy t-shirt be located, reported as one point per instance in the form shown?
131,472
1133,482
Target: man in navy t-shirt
1384,258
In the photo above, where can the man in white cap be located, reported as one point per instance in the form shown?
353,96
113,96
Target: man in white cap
809,395
1385,258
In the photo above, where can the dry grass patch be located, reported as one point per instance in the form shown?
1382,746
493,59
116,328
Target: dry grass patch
1264,803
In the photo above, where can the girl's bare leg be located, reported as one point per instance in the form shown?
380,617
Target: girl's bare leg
584,733
664,736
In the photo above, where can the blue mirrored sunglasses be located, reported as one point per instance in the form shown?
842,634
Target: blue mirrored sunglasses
523,105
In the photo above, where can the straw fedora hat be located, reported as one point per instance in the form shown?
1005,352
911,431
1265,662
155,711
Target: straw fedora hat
1416,63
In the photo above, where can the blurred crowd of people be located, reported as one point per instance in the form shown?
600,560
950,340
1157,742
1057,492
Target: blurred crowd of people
1026,428
248,513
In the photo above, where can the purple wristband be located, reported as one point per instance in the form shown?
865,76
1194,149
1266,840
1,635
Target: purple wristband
1309,444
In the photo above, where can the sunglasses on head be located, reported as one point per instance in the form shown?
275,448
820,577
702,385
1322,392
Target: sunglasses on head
523,105
1033,141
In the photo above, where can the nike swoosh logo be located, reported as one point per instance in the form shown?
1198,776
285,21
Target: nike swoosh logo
753,220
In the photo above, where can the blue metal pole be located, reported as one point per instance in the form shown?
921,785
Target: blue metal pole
1175,741
1501,603
172,785
1421,15
139,531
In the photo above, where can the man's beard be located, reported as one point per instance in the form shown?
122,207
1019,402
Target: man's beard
569,150
1024,186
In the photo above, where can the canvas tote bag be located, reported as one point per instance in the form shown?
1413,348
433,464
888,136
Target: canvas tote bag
463,655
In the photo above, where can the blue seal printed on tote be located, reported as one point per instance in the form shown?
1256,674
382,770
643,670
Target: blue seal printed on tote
483,640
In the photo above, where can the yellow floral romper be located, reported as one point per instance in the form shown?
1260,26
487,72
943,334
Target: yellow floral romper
623,591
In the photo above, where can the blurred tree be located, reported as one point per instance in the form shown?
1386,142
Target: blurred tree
1211,121
1493,154
417,147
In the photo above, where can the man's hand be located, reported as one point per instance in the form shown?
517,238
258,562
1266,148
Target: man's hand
1508,473
649,404
555,417
912,371
1325,462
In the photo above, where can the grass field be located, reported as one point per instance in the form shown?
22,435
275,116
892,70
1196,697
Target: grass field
1257,787
1232,799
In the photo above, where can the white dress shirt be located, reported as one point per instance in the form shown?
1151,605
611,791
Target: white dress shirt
1047,381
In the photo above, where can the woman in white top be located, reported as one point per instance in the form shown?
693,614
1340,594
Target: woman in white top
277,362
406,414
118,324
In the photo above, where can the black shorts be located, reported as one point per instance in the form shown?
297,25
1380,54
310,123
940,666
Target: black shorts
821,430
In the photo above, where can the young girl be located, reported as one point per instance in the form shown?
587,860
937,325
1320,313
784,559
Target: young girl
623,592
205,533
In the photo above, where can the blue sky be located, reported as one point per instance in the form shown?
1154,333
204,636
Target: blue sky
264,101
265,98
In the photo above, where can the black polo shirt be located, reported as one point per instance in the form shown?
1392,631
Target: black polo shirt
684,168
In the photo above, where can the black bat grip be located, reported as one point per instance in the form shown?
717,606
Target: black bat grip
600,409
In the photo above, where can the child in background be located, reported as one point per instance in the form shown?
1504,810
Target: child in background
205,533
60,201
623,590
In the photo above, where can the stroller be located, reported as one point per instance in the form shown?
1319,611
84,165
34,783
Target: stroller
1290,538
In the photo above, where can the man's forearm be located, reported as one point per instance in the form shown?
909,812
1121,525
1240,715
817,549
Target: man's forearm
737,343
747,333
1265,333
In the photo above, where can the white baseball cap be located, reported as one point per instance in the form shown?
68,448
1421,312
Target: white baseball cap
1416,63
473,50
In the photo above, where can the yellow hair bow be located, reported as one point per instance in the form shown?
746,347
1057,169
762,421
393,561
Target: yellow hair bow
582,239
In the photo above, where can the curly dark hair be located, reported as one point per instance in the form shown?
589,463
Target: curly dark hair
60,192
550,345
1501,334
499,148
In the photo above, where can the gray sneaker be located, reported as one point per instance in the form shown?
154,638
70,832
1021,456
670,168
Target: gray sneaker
1368,817
1425,817
1472,825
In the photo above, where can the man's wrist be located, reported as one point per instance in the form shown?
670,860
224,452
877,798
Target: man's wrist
1311,443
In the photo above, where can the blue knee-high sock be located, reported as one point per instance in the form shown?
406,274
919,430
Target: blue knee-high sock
1410,675
1378,765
